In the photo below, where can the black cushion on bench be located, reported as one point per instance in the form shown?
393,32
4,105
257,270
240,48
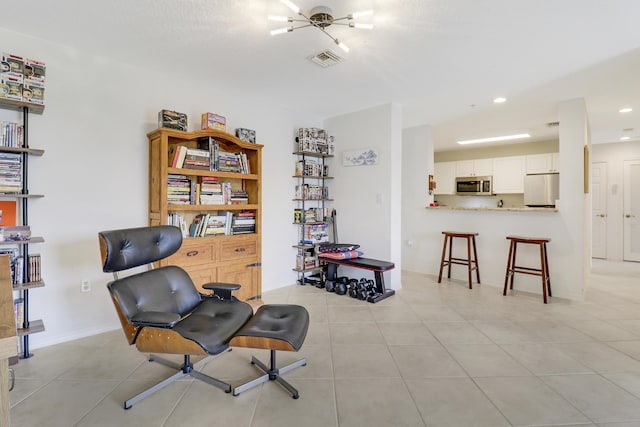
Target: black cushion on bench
367,263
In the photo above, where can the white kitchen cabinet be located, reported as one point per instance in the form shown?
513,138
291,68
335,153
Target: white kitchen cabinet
477,167
508,174
543,163
555,162
445,177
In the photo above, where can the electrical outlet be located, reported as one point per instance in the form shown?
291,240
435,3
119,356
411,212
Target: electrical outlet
85,286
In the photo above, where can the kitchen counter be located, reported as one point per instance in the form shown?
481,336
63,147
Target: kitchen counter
492,209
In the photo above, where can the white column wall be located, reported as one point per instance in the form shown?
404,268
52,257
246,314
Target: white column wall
417,164
368,198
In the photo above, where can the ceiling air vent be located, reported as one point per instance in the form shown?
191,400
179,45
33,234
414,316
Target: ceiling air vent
326,58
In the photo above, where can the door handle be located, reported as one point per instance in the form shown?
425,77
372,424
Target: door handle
628,216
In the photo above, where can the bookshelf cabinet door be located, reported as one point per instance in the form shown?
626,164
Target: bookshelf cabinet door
243,274
202,275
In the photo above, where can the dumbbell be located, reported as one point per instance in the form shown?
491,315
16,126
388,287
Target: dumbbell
353,288
365,290
341,285
330,285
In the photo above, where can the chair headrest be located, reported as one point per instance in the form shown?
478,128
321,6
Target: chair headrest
132,247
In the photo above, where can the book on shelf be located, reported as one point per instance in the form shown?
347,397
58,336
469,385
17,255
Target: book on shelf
311,192
204,225
178,189
239,197
11,134
10,172
33,268
177,154
197,159
305,261
16,263
8,210
178,220
314,233
215,193
212,146
244,222
228,162
18,311
16,233
314,140
311,167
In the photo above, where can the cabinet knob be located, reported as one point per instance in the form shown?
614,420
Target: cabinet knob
240,249
192,253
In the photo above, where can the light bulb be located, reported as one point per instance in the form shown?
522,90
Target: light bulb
291,6
281,31
361,26
342,45
361,14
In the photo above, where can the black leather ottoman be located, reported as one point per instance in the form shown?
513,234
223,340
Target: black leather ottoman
273,327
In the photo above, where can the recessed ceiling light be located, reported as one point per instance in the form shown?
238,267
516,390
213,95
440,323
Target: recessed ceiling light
499,100
625,110
495,138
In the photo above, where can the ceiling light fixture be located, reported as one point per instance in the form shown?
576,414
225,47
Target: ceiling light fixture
625,110
320,17
626,134
499,100
495,138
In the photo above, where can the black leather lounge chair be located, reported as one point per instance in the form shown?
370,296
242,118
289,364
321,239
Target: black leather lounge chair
161,311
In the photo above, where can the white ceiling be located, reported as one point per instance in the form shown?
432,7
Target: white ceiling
443,60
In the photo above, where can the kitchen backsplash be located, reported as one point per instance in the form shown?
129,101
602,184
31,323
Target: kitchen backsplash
508,200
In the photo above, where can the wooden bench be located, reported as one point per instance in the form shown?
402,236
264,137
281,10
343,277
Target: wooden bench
377,266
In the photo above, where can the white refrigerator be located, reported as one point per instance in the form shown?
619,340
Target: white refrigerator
541,190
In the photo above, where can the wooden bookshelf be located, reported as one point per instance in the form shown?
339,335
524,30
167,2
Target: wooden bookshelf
222,258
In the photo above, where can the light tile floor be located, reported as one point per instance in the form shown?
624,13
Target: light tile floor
432,355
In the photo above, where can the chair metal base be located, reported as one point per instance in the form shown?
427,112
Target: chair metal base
186,369
271,375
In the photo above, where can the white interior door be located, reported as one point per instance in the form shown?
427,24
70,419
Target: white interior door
631,234
599,210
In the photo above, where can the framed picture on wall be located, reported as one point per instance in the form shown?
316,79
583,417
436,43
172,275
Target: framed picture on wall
364,157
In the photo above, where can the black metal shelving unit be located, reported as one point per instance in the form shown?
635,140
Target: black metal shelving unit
29,326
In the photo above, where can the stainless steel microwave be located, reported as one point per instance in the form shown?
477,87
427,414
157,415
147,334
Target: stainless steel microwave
474,186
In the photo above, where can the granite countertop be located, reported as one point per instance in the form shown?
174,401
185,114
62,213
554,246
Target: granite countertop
464,208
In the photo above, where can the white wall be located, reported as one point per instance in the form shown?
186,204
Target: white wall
94,171
417,164
614,155
566,227
367,198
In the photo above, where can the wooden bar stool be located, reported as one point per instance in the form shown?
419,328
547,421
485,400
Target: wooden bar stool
471,263
543,271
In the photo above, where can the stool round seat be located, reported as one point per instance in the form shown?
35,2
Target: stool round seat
471,263
543,271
